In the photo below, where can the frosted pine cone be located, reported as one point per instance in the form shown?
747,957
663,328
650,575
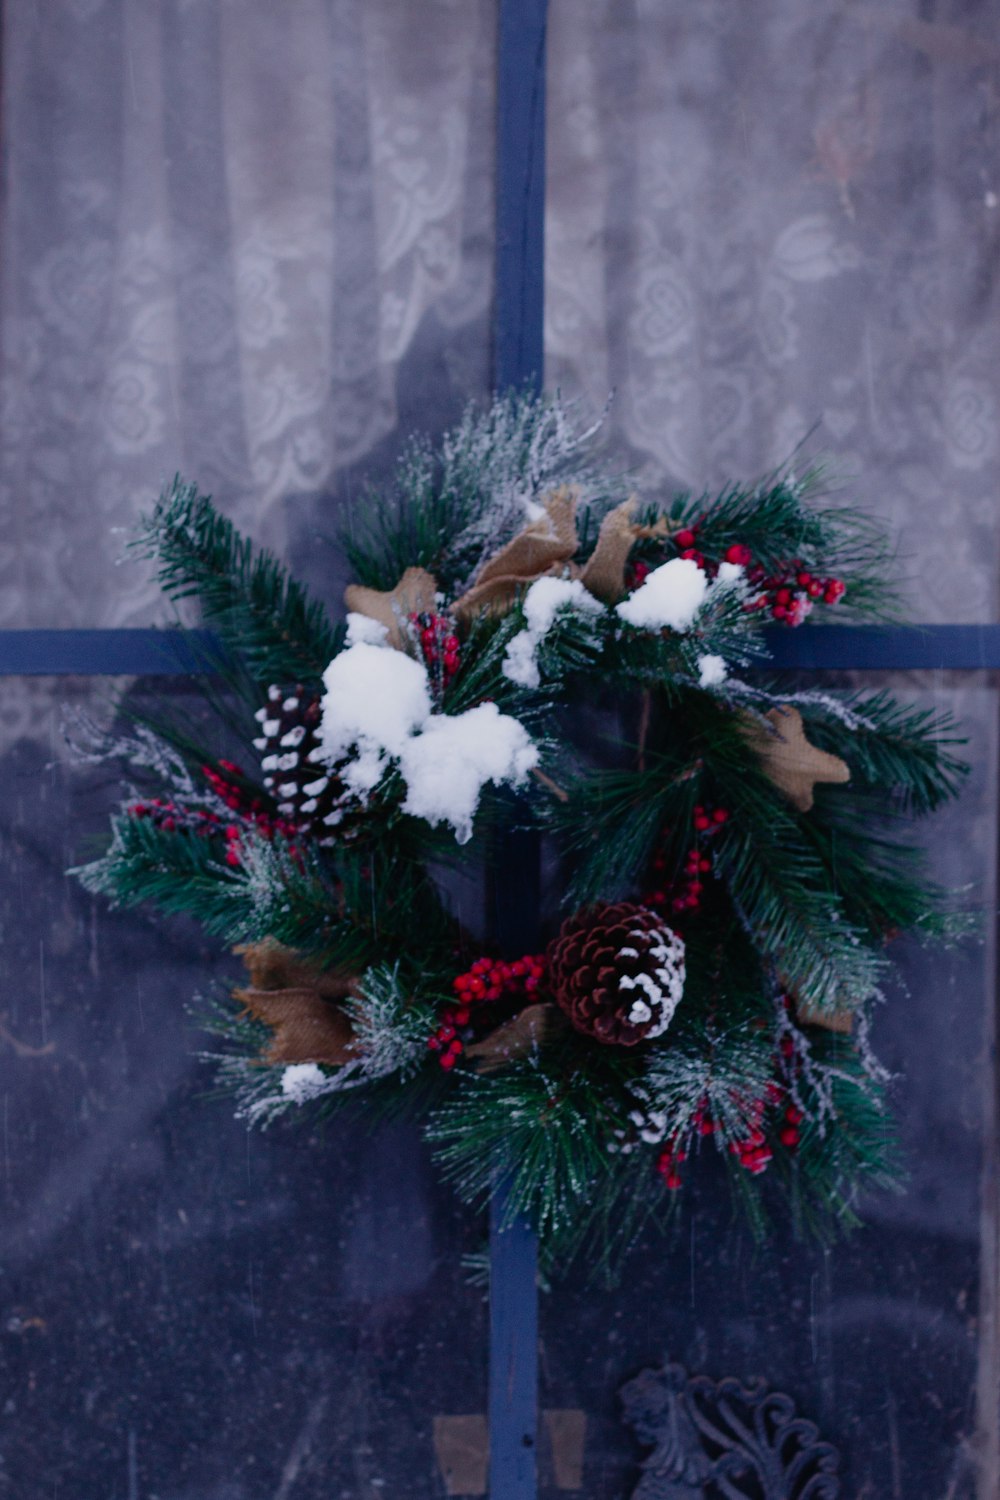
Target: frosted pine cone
618,973
308,792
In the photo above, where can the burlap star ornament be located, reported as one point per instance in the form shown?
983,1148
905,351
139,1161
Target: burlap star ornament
300,1003
788,759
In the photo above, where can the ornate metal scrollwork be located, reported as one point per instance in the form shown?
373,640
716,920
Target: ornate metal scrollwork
721,1440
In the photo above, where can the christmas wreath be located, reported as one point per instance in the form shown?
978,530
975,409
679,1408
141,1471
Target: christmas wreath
527,646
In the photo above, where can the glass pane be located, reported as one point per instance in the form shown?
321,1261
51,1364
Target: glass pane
760,222
249,243
888,1340
776,222
191,1311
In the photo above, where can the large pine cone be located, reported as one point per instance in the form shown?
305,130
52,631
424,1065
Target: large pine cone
617,972
308,792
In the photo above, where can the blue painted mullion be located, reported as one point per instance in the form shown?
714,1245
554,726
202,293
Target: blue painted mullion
173,653
517,365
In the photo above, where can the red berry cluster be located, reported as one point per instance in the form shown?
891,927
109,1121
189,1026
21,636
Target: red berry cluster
168,815
669,1162
438,642
686,892
251,809
488,979
636,574
686,543
789,592
753,1150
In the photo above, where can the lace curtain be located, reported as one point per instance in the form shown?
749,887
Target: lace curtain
778,220
226,224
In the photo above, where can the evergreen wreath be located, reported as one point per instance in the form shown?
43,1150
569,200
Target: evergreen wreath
528,646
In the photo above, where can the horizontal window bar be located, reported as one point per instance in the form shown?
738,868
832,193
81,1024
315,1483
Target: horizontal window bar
875,648
104,653
174,653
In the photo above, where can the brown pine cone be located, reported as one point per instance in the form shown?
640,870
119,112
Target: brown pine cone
308,792
618,973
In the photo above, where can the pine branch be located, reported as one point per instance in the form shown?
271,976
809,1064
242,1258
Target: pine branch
780,889
536,1125
179,871
452,507
893,746
245,594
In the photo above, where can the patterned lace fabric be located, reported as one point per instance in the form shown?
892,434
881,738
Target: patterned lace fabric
773,221
226,224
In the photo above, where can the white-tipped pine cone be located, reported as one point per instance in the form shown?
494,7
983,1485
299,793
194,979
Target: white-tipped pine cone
618,973
309,793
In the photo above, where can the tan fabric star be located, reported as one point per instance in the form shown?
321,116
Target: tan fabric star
544,546
788,759
299,1002
414,594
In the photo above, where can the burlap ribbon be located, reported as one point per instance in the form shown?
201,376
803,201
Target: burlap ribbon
515,1038
830,1020
414,594
300,1003
546,546
788,759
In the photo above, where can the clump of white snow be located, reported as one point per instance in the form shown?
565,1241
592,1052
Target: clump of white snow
376,698
542,603
669,598
364,628
712,671
304,1081
446,766
377,712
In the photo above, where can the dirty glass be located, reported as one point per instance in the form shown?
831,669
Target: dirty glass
887,1340
770,227
191,1310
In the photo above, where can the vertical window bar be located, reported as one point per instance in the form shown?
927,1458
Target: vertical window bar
517,364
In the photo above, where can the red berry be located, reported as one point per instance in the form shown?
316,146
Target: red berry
739,553
684,538
794,1115
789,1137
779,611
447,1059
721,815
803,580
